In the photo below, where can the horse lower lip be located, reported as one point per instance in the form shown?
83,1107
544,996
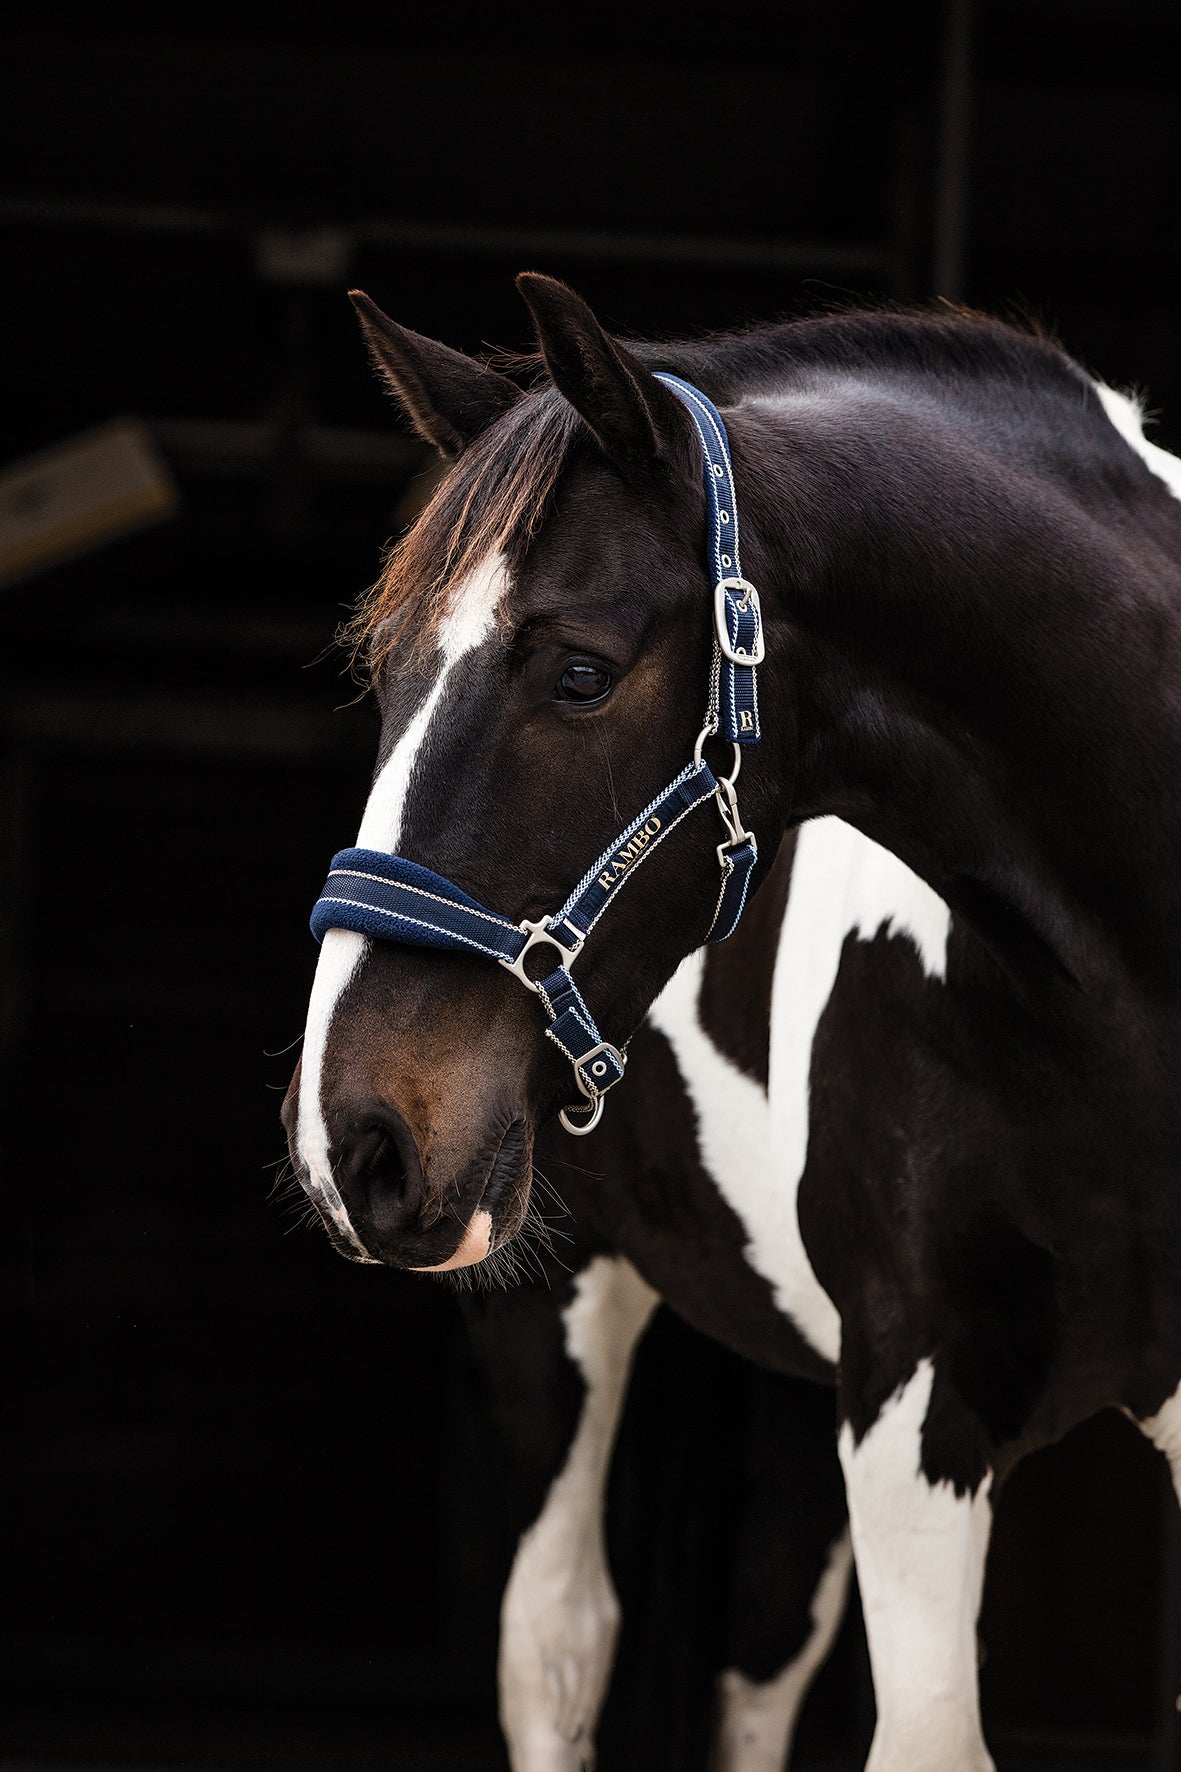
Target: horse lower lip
504,1168
474,1245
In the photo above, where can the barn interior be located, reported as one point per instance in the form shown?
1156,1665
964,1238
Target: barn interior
250,1500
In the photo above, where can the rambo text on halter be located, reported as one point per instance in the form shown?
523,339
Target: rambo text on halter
388,898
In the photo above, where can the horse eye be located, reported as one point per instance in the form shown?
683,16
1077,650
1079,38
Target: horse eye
582,682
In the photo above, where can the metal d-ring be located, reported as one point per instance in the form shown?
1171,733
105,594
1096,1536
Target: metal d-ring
581,1131
708,732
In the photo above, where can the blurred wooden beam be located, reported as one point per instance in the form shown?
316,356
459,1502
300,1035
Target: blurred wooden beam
279,256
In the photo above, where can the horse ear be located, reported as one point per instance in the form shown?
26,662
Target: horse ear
448,398
628,410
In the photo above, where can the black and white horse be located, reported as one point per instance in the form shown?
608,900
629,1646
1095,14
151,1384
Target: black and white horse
948,1175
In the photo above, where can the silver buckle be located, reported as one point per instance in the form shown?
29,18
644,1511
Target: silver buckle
603,1046
537,934
748,600
596,1097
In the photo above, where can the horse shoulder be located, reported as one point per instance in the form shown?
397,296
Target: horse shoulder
753,1139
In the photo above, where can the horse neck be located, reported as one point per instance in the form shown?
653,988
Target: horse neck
972,598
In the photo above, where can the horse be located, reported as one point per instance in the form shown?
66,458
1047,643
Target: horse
966,627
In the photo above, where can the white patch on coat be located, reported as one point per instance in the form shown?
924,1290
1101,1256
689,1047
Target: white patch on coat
920,1551
469,621
559,1618
841,883
757,1719
754,1146
1127,415
1164,1430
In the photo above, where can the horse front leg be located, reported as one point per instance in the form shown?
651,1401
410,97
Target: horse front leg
559,1617
789,1581
920,1540
1163,1428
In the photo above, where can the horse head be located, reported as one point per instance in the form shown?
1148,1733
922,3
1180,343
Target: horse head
540,645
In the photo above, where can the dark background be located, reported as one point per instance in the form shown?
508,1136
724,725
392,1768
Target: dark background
249,1515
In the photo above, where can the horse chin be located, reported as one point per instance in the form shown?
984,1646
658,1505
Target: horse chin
474,1246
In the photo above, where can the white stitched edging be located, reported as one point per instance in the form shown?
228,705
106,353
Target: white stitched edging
404,886
635,868
605,857
419,923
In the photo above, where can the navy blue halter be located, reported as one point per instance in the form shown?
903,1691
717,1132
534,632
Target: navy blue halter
388,898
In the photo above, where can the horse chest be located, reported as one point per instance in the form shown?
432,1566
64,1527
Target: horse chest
753,1141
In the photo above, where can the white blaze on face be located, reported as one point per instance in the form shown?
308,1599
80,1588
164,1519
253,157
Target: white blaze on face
469,622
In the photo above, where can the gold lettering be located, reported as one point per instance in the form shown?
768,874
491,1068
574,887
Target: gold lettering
632,851
746,720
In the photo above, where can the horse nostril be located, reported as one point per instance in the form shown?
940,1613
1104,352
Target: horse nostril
378,1171
377,1159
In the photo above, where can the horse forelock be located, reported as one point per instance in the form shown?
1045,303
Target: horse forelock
489,504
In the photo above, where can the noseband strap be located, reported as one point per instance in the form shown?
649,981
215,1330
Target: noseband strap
387,898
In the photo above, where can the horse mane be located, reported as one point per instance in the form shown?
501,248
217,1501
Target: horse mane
497,494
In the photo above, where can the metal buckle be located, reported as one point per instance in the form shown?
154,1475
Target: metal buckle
538,933
603,1046
596,1114
748,600
725,859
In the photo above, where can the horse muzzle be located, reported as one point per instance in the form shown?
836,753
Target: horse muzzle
405,1201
